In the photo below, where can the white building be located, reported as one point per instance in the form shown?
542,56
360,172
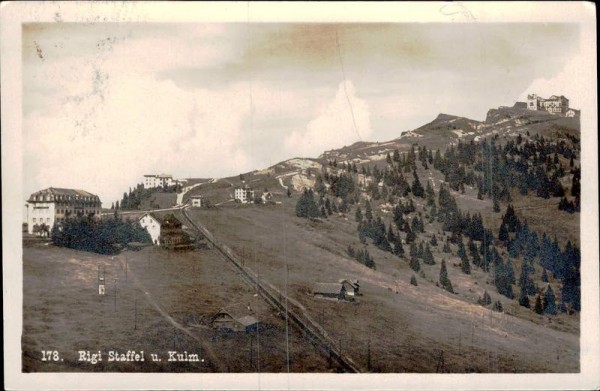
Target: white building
196,201
158,180
572,113
152,224
266,196
244,194
554,105
53,205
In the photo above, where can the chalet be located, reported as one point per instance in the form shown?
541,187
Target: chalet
172,235
327,290
151,223
236,317
266,197
351,287
572,113
196,201
165,231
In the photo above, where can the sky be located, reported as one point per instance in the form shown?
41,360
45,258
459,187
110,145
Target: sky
106,103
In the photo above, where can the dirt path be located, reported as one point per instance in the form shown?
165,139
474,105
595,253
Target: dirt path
207,348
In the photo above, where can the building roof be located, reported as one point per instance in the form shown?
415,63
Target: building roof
327,288
66,192
170,219
154,216
240,313
353,283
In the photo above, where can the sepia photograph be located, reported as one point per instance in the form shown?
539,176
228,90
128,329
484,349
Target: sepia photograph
280,196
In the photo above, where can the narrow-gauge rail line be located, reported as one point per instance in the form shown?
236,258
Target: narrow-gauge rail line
274,297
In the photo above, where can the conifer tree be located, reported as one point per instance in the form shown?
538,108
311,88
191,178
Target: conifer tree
413,280
444,280
524,299
549,302
369,211
433,241
398,249
485,299
465,266
538,308
414,264
358,214
428,256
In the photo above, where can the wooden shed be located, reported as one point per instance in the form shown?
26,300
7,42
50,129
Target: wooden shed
236,317
329,290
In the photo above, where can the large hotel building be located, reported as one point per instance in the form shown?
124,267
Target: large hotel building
53,205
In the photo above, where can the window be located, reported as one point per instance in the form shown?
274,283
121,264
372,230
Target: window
34,219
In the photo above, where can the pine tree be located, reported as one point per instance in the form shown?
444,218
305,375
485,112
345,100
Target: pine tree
328,207
369,211
289,192
414,264
398,249
485,299
413,280
433,241
497,306
358,214
464,260
444,280
503,233
428,256
538,308
544,276
549,302
524,299
446,247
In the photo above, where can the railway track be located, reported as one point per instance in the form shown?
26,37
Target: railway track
274,298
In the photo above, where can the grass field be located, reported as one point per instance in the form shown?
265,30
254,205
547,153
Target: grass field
160,306
401,327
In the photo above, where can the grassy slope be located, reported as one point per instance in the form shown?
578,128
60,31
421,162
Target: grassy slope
405,329
62,311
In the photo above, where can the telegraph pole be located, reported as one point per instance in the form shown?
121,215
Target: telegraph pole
115,279
135,313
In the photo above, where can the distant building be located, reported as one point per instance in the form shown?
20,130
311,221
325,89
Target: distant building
171,233
266,197
554,105
151,223
244,194
197,201
328,290
55,205
165,231
158,180
572,113
351,287
236,317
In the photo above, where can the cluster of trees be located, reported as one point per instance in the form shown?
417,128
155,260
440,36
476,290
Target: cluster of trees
133,199
306,206
362,256
99,236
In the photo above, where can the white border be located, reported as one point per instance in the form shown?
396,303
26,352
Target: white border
13,14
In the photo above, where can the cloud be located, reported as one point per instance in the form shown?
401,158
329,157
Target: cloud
571,81
343,121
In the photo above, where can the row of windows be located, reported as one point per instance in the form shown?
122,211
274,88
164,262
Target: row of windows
41,220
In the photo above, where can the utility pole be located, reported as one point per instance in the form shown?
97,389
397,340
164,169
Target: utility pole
135,313
369,356
126,266
116,287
